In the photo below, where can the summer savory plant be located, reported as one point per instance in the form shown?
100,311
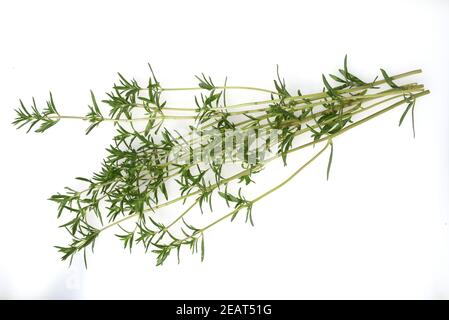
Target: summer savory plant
213,155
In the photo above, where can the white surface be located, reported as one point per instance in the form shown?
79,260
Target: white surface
377,229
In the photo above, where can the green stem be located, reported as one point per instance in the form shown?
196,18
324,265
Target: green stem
169,117
220,88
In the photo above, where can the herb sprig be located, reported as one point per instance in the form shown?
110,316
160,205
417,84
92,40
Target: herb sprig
136,178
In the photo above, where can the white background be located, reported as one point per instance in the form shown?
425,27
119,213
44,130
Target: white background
377,229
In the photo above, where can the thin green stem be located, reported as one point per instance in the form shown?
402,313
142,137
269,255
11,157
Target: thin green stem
220,88
168,117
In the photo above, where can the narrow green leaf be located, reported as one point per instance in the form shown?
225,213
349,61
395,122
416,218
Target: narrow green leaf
330,159
335,78
329,88
202,247
389,80
409,106
345,66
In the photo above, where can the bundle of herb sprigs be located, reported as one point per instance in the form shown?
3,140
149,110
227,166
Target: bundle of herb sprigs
131,186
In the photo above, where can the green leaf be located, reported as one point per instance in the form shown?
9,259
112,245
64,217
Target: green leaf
228,197
94,102
45,125
389,80
409,106
202,247
91,127
345,66
330,159
205,83
127,239
331,92
280,86
335,78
